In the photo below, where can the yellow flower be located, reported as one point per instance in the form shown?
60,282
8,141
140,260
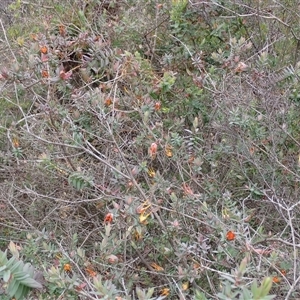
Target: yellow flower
16,143
143,218
168,151
151,172
185,285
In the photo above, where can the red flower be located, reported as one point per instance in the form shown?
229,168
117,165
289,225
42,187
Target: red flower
230,236
108,218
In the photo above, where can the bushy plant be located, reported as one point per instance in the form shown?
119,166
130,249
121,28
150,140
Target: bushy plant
150,156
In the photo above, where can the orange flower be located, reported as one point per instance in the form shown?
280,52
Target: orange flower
62,30
108,102
165,292
252,150
137,235
144,210
16,143
153,150
156,267
45,74
276,279
44,49
283,272
187,190
67,267
91,272
157,106
191,159
108,218
230,236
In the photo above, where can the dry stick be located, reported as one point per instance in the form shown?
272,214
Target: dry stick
282,241
296,55
77,147
179,289
143,260
152,48
255,13
103,160
18,213
63,147
5,36
278,162
294,243
39,5
292,288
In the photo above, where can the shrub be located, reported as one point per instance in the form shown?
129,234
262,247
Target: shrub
151,156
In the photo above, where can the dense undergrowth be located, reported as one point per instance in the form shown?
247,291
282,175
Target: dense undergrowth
150,150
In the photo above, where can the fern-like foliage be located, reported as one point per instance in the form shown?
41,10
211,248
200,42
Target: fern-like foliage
80,181
286,73
19,277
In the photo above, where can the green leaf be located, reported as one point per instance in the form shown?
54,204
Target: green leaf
150,293
13,287
266,286
21,275
200,296
16,266
28,269
140,293
21,292
246,293
3,257
11,262
2,269
254,288
270,297
6,275
228,277
243,265
30,282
